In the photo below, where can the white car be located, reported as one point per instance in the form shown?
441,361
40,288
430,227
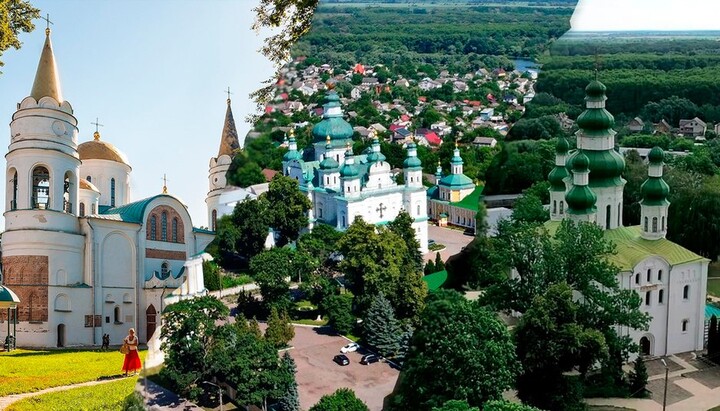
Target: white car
349,348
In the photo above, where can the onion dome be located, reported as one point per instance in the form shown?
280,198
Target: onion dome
293,153
557,176
438,170
100,150
456,159
595,89
655,190
412,161
375,155
580,199
332,124
349,169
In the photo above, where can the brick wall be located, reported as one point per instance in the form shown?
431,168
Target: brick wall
165,254
171,214
27,276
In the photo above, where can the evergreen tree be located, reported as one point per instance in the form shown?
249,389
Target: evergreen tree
638,378
211,276
429,267
254,327
279,330
380,327
713,345
290,401
439,264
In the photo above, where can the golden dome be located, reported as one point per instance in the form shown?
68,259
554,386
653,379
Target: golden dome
86,185
101,150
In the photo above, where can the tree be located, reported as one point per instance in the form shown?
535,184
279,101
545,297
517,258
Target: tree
439,264
429,267
380,328
713,345
246,175
279,331
456,405
211,276
460,350
290,400
271,270
321,242
15,16
503,405
481,224
638,378
343,399
402,226
288,208
186,359
529,208
250,227
338,309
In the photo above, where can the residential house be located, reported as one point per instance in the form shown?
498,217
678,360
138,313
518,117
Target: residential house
693,128
402,83
427,137
484,142
636,125
355,93
663,127
486,113
528,97
369,81
510,99
400,134
428,84
378,128
459,87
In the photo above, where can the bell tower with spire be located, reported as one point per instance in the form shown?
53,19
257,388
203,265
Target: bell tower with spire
219,167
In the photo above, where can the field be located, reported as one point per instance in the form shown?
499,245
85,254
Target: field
109,397
29,371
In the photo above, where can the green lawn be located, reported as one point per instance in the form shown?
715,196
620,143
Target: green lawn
714,270
29,371
108,397
310,322
713,286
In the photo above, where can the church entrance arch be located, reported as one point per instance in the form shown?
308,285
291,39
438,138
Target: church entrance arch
151,315
645,346
61,335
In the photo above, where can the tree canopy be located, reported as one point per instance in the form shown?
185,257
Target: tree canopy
16,16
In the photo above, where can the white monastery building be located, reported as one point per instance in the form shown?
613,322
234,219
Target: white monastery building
83,259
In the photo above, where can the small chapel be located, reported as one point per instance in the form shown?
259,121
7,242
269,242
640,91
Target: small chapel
587,185
83,258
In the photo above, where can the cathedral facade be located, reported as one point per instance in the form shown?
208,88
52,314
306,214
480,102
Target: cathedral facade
82,257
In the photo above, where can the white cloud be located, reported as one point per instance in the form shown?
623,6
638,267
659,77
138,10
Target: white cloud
611,15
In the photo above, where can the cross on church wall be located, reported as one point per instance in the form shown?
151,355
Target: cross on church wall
380,209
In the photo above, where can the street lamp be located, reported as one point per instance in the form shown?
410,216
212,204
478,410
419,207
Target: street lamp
666,381
219,392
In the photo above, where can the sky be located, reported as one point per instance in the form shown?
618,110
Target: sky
155,74
621,15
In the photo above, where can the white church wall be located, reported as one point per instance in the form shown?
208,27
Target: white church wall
117,260
690,309
101,172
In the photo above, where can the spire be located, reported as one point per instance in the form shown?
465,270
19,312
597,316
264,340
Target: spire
293,153
47,79
229,141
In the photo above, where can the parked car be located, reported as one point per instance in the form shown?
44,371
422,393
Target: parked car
349,348
341,359
369,359
431,242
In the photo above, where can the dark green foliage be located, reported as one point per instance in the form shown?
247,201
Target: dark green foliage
529,209
429,267
343,399
402,226
459,350
713,344
541,128
503,405
288,208
439,264
244,172
320,242
519,165
248,305
381,329
638,378
456,405
279,331
211,276
290,400
271,270
338,309
244,232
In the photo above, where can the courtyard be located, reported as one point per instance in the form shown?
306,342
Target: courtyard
453,239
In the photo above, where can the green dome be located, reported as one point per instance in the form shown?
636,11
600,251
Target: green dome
606,167
654,191
375,156
556,178
332,124
329,163
656,155
412,162
292,155
349,171
580,200
580,162
595,119
595,89
457,181
562,146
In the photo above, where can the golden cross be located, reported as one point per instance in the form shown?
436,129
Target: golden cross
164,184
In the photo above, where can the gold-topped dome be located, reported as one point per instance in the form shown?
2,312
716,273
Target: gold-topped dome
86,185
101,150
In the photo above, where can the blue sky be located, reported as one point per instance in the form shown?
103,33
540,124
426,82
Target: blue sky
154,73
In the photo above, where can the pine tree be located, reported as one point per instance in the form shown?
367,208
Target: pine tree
638,378
290,400
380,328
277,331
429,267
254,327
713,345
439,264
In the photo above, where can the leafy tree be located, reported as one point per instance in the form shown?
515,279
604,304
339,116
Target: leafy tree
481,224
338,309
318,285
321,242
271,269
290,400
254,328
529,208
343,399
380,328
248,227
248,305
211,276
638,378
456,405
248,174
460,350
503,405
186,359
288,210
402,226
16,16
279,331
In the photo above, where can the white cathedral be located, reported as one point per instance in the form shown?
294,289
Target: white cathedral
587,185
83,259
340,185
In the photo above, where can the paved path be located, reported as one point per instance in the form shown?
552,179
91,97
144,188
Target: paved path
8,400
158,398
453,240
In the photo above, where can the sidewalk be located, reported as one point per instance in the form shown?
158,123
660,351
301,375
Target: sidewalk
157,398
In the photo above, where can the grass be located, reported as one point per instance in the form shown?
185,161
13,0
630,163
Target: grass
714,270
436,247
310,322
229,281
30,371
713,286
352,337
109,397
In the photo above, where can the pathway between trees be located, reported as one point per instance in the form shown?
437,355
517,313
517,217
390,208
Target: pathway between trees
10,399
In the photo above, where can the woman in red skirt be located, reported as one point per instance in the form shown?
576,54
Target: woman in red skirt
132,360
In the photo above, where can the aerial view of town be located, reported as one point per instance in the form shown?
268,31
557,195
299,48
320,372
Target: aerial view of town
431,205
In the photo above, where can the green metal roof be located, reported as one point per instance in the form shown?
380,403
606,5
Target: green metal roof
711,310
457,181
132,212
202,231
632,248
436,280
471,201
8,299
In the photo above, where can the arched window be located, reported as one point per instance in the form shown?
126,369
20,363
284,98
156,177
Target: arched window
659,275
214,220
654,224
40,188
649,272
418,210
685,325
554,206
607,216
112,192
174,230
686,292
67,201
562,207
163,226
89,179
645,224
82,209
92,208
661,296
647,297
662,226
164,270
637,278
153,227
13,201
116,315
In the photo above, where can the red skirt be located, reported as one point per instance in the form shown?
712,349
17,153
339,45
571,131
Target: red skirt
132,362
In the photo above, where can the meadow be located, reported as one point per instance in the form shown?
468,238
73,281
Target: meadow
109,396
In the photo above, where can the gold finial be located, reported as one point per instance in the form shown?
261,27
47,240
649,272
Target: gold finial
330,84
373,134
47,19
96,136
164,184
347,145
456,143
292,133
327,139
